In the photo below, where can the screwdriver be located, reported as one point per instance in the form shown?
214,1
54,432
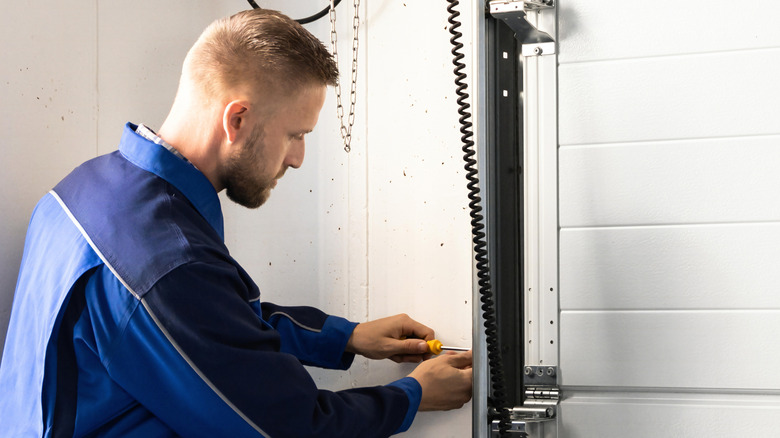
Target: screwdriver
436,347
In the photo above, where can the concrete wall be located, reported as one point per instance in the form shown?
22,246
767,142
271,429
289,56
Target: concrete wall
669,144
379,231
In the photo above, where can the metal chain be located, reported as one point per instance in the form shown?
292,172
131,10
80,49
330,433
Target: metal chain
346,131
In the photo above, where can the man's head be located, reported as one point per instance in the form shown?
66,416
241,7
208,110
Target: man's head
252,86
258,50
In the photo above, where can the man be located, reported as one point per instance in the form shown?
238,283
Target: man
130,317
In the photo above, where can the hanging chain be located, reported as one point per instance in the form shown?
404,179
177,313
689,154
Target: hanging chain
346,131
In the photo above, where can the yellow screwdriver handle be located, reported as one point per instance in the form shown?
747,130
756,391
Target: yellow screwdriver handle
435,346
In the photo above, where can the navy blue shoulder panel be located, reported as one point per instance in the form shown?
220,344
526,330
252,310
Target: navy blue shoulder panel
143,226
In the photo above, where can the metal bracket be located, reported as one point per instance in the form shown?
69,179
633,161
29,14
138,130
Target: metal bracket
516,429
540,375
513,13
521,418
540,404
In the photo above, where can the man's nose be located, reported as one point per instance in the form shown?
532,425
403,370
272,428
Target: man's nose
295,154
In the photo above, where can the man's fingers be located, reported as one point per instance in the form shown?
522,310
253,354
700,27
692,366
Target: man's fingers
414,329
460,360
446,381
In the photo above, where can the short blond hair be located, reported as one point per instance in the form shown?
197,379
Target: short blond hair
258,48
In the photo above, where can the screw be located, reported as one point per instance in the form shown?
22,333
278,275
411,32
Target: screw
537,50
550,371
528,371
540,372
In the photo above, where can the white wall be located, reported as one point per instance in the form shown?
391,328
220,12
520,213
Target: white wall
379,231
49,105
669,145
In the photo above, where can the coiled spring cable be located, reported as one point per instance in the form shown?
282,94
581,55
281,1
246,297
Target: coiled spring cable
498,401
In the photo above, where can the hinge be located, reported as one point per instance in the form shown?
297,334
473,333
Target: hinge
542,396
514,13
540,375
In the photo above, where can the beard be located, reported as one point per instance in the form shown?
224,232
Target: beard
243,177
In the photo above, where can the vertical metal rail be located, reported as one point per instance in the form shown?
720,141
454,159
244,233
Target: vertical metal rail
518,164
499,138
480,424
505,211
517,147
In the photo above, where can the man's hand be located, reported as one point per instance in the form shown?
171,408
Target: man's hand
446,381
391,338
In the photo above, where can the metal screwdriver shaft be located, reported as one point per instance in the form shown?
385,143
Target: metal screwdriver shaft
436,347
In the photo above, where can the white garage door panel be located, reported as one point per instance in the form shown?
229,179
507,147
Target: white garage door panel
668,415
587,32
702,96
715,180
684,349
690,267
669,220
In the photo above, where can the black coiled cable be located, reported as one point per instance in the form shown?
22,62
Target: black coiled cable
306,20
498,400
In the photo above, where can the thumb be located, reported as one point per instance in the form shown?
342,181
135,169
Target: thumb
414,346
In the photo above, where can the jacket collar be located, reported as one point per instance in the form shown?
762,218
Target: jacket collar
181,174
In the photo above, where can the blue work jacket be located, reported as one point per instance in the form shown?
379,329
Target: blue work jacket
131,319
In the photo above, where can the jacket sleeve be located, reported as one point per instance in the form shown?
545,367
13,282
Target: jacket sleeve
196,355
312,336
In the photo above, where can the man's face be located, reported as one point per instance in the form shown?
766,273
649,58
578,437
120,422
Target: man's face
273,145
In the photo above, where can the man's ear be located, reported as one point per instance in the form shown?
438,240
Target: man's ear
234,120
